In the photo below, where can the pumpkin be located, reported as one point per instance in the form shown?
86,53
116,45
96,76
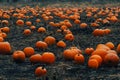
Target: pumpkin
100,52
40,71
110,45
61,44
69,54
18,56
29,51
93,63
102,46
50,40
36,58
98,58
38,20
79,59
4,35
20,22
118,48
113,19
69,37
67,31
48,57
6,29
94,25
89,50
6,22
77,21
41,30
83,25
28,23
41,45
5,48
111,59
107,31
32,27
63,27
1,39
27,32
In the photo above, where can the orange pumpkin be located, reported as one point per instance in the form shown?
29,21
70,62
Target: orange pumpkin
83,25
69,37
97,57
69,54
50,40
40,71
41,30
36,58
6,29
77,21
38,20
29,51
5,48
41,45
32,27
102,46
110,45
4,35
107,31
113,19
48,57
100,52
61,44
20,22
89,50
1,39
28,23
18,56
6,22
118,48
79,59
111,59
93,63
27,32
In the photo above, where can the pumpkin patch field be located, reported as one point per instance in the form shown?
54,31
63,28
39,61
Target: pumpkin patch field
59,43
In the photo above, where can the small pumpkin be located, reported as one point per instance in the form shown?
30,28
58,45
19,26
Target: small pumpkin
5,48
61,44
40,71
79,59
89,50
98,58
32,27
83,25
111,59
100,52
110,45
29,51
20,22
41,45
93,63
36,58
18,56
50,40
69,37
27,32
41,30
28,23
1,39
118,48
48,57
6,29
